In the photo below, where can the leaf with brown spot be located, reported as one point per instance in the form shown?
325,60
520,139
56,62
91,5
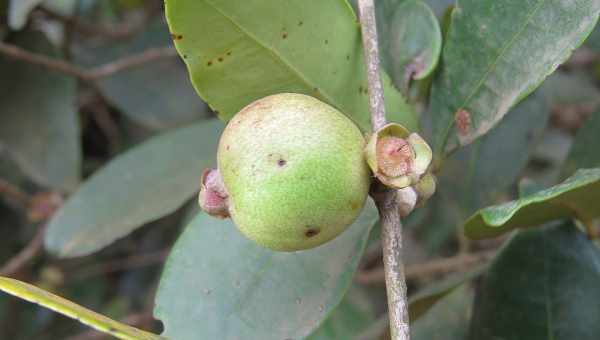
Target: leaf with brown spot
279,54
495,54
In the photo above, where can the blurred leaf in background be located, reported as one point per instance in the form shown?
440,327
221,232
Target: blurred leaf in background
39,125
166,103
543,285
159,176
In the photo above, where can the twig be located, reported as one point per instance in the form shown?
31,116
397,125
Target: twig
134,261
16,263
113,32
57,65
149,55
431,268
386,202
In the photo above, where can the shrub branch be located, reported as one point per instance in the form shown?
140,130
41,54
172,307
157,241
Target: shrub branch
386,199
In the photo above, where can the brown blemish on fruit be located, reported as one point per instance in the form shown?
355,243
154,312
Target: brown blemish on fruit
229,53
220,59
176,36
281,162
258,105
300,23
185,56
284,35
312,232
209,63
462,119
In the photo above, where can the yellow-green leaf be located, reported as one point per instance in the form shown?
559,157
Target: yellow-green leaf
74,311
240,51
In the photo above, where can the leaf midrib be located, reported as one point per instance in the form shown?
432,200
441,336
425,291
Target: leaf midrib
277,56
491,67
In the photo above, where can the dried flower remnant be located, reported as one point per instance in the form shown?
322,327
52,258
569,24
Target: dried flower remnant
397,157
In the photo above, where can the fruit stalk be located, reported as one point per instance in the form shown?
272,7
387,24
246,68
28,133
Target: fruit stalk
386,201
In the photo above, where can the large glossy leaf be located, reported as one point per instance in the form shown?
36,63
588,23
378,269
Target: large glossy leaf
448,319
230,288
352,317
145,183
237,52
67,308
157,94
415,40
496,53
38,117
577,197
584,152
542,286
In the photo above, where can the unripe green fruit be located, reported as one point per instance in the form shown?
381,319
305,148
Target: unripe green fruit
294,170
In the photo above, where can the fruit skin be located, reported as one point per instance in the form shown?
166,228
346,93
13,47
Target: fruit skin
294,170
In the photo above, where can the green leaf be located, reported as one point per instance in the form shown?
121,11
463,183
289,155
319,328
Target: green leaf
497,53
448,319
440,6
39,124
238,52
584,152
139,186
420,304
351,317
18,11
542,286
67,308
157,94
230,287
578,197
478,174
415,41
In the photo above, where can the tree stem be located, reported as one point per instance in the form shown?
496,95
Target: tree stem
386,202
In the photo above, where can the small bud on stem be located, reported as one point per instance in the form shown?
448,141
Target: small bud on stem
213,197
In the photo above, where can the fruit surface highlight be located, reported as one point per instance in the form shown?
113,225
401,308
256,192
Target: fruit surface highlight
294,171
